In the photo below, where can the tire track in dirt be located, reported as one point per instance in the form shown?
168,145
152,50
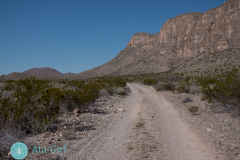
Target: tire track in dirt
164,134
109,142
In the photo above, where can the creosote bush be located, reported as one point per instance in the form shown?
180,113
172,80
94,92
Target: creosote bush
31,104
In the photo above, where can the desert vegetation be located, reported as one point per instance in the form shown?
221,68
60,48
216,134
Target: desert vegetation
30,105
222,88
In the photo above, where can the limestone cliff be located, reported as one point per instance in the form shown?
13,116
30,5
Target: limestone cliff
194,33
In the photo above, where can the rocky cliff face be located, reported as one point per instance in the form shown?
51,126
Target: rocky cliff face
194,33
145,40
180,39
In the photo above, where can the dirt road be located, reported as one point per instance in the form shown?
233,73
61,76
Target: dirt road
149,128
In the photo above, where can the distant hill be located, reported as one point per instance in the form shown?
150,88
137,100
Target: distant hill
43,71
40,73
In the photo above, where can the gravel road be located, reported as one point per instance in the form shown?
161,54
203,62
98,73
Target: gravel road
149,127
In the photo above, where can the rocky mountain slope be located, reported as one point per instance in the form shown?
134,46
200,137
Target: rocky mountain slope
181,39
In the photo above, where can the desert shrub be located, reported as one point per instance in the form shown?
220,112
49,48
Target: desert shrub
194,89
120,91
33,104
150,82
39,126
187,99
224,88
182,87
169,86
159,87
70,99
119,82
110,90
103,92
9,137
187,83
29,100
165,86
193,109
90,93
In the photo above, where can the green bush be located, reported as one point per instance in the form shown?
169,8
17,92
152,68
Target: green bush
182,88
32,104
150,82
224,88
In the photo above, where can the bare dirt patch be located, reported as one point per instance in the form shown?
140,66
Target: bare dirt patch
212,123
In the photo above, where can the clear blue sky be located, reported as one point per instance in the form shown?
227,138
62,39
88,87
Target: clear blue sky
78,35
